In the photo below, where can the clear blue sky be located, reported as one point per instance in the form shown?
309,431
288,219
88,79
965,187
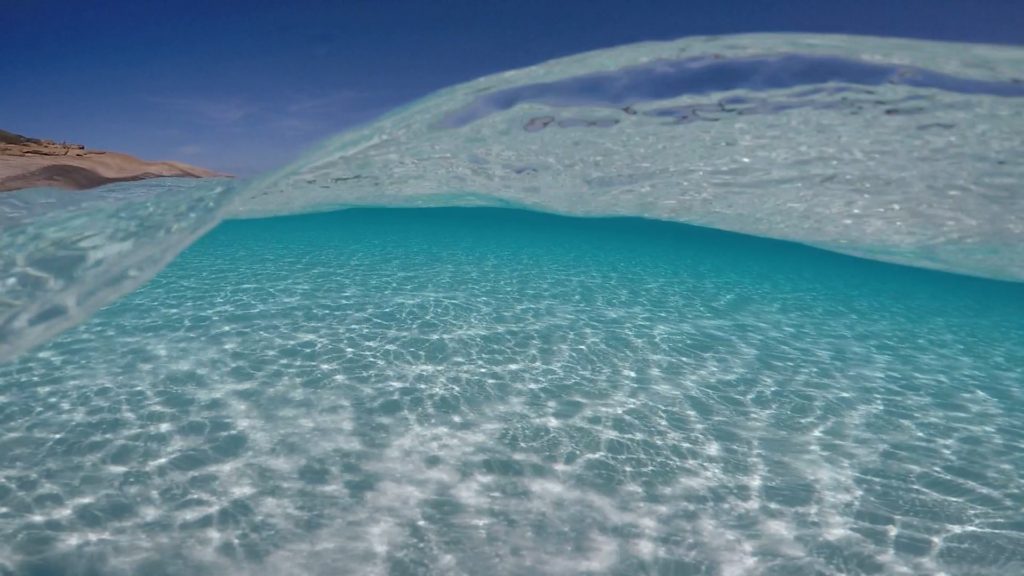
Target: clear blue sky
243,86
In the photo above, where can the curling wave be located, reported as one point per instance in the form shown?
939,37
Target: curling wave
898,150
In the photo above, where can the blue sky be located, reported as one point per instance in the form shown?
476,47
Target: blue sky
245,86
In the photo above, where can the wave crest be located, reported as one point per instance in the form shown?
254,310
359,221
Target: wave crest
904,151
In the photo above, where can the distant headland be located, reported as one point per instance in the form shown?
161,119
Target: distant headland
30,162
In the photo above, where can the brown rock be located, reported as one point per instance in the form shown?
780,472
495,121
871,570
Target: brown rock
30,162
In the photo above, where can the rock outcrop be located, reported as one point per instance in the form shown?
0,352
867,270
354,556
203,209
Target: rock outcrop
31,162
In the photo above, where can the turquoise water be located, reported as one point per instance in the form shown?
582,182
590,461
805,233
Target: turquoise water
464,391
787,338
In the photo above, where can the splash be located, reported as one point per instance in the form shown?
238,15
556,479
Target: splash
897,150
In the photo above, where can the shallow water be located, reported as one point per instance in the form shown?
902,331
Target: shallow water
461,391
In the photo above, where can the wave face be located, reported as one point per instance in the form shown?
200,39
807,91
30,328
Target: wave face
904,151
63,255
898,150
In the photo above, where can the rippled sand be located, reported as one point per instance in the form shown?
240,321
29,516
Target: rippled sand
473,391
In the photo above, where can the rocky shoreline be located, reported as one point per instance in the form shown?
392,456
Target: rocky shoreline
31,162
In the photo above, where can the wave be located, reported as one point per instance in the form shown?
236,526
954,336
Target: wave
897,150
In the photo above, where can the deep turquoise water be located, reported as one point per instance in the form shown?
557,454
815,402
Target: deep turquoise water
468,391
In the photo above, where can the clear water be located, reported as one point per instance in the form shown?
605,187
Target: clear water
464,391
469,390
